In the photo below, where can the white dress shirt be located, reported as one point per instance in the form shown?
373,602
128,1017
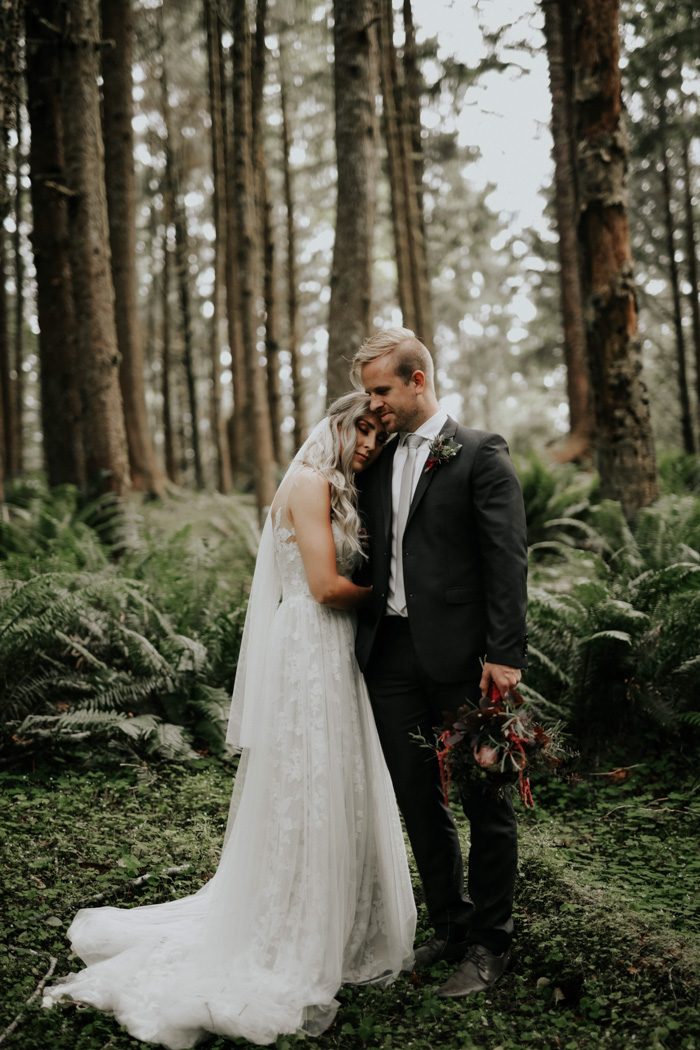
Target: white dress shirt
428,430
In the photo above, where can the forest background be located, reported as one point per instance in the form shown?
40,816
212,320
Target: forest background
204,208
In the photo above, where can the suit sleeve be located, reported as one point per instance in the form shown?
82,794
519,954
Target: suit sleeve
502,531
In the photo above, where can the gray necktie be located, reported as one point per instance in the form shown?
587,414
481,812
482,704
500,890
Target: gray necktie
412,443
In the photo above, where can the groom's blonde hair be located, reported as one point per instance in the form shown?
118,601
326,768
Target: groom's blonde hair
411,355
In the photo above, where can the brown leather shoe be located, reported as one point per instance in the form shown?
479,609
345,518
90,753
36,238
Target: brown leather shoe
479,971
438,950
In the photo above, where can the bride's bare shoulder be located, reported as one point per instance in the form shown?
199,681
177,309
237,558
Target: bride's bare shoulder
305,492
309,486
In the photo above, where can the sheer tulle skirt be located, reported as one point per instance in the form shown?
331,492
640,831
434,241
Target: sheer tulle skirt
312,889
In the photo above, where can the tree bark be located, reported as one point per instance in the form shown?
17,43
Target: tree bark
183,287
691,252
292,301
557,20
625,446
392,138
247,241
4,354
408,106
177,211
104,436
171,464
272,347
239,437
666,193
18,466
117,32
7,398
351,275
61,412
412,80
10,15
218,423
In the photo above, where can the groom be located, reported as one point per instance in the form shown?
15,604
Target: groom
448,566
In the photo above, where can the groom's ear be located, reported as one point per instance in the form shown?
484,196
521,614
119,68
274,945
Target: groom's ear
418,378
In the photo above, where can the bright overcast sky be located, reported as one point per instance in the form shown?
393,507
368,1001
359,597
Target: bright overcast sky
507,115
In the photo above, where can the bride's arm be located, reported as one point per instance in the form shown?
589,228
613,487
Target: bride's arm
310,510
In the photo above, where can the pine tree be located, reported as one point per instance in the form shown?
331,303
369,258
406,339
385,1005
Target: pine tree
351,276
625,444
117,32
61,410
104,436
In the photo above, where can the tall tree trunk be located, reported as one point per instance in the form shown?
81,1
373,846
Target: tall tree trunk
7,408
247,240
691,252
665,174
177,210
10,19
408,106
4,349
117,31
412,80
272,347
292,302
392,138
171,465
351,276
9,90
239,437
625,445
61,412
218,423
557,21
104,436
18,465
152,303
183,286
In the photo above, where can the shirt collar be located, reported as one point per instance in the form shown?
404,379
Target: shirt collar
432,427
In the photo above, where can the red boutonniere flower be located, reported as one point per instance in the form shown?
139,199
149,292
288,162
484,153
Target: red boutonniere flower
441,450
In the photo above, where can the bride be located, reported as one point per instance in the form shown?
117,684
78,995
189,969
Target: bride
312,888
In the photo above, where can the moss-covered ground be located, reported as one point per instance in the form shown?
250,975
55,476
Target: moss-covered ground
608,931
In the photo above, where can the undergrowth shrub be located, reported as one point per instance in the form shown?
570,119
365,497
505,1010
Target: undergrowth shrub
614,619
120,648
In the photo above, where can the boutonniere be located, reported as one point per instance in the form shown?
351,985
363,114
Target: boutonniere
441,450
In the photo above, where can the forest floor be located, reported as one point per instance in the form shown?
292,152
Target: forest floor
608,927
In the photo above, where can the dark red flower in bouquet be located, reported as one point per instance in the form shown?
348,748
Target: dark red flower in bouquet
496,740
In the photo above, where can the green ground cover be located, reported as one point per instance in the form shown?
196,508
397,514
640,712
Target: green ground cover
608,940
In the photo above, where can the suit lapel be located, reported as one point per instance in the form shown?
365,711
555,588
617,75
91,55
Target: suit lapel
386,466
448,430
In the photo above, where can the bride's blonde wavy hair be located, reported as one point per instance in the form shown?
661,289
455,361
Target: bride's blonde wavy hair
330,451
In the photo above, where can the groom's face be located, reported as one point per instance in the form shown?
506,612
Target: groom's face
394,401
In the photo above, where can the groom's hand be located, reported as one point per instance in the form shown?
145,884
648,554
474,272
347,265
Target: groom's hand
504,678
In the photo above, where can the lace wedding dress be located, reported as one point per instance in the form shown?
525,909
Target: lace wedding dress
312,889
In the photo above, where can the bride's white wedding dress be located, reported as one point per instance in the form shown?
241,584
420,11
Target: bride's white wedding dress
312,889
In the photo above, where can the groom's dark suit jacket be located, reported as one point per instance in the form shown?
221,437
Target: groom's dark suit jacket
465,557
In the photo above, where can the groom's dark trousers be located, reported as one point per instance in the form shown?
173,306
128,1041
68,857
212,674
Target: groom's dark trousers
465,565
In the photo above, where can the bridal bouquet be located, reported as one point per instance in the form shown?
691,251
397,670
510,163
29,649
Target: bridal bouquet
497,741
